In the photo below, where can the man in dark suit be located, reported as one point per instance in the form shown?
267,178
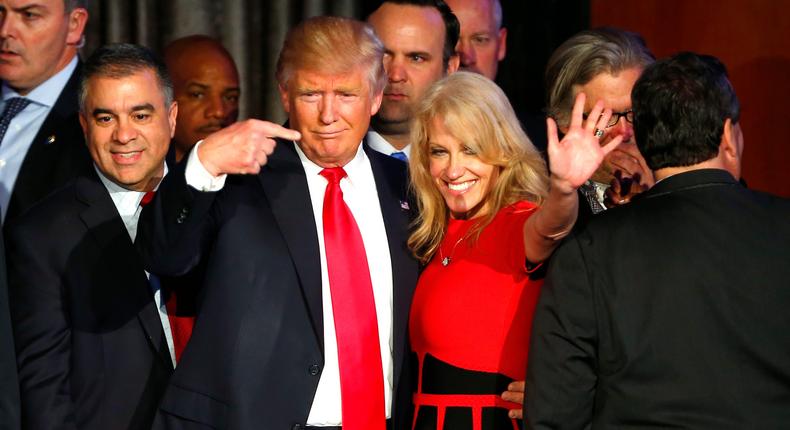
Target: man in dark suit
9,383
671,311
42,144
278,325
95,345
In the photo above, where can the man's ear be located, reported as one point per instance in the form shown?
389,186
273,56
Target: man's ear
502,44
172,115
77,20
453,64
731,147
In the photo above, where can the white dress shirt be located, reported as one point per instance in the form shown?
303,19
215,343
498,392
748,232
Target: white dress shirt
128,204
361,196
24,127
378,143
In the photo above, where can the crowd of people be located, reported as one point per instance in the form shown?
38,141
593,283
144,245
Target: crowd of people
402,253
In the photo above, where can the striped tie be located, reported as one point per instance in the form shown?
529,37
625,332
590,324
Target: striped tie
13,106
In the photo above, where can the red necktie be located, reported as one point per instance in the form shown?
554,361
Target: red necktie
354,310
180,325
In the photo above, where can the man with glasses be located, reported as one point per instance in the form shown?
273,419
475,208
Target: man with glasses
604,64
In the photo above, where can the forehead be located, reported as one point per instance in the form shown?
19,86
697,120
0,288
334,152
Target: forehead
409,26
124,93
202,61
50,5
613,89
474,15
355,78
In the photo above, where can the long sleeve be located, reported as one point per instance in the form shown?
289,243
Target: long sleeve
42,334
561,376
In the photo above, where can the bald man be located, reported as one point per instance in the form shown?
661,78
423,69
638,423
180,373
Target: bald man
206,85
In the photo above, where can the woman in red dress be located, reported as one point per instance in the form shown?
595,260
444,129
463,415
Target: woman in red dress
489,214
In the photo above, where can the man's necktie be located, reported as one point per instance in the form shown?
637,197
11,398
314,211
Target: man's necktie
400,156
13,106
180,325
354,310
588,190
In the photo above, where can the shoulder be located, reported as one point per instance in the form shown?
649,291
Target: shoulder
49,215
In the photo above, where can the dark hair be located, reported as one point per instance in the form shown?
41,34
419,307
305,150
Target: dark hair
74,4
122,60
680,105
584,56
452,28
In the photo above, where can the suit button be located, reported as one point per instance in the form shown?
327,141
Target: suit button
314,369
297,427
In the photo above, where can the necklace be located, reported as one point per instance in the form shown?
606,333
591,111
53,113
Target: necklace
448,259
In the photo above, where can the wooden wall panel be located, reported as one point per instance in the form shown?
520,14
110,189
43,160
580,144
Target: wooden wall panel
753,39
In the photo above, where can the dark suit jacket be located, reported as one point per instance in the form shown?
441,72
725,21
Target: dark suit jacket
90,344
256,353
48,166
668,312
9,383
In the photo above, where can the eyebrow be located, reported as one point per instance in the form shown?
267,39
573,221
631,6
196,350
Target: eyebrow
144,106
25,8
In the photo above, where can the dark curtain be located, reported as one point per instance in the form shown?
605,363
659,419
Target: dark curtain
253,31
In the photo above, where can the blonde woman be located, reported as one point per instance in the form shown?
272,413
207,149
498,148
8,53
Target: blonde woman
489,214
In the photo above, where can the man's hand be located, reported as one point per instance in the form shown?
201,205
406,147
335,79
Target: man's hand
574,159
626,159
242,148
515,394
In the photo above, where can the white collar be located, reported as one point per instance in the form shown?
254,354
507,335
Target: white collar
380,144
353,168
47,92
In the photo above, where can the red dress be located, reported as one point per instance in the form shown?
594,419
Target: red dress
470,323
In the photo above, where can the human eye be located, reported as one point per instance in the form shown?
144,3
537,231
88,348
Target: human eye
481,39
469,151
103,119
141,116
196,95
436,151
417,58
231,97
30,14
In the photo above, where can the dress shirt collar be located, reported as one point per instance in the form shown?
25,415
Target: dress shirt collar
353,168
378,143
47,93
126,201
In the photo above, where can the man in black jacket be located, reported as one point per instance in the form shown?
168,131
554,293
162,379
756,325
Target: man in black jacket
671,311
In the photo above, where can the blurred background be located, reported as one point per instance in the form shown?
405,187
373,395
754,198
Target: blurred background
751,37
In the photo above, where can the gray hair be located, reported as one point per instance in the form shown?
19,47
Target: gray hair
583,57
122,60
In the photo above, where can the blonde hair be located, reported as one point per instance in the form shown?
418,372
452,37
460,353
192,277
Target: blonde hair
332,45
476,112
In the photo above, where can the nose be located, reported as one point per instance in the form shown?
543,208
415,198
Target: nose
215,107
125,132
327,107
395,70
6,25
455,168
625,129
466,53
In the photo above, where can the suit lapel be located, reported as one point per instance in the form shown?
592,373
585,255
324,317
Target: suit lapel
129,283
284,183
391,187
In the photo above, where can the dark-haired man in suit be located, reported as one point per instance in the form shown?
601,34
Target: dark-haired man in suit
671,311
42,145
95,340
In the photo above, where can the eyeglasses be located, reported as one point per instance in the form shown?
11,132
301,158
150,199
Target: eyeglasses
615,118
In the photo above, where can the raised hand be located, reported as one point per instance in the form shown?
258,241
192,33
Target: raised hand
573,160
243,147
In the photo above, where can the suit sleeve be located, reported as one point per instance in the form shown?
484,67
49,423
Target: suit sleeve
176,228
42,334
561,375
9,383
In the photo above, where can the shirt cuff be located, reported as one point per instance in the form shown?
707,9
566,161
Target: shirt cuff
198,177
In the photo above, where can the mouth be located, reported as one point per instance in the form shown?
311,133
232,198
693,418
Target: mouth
6,54
128,157
209,128
460,187
328,134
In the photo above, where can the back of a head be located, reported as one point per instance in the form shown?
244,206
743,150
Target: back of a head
583,57
122,60
680,106
332,45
